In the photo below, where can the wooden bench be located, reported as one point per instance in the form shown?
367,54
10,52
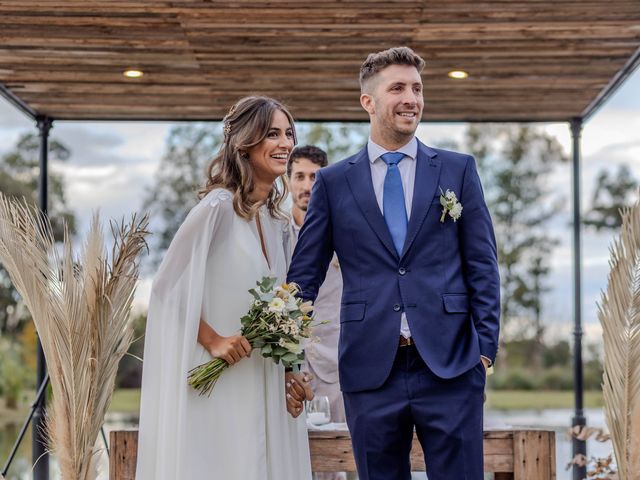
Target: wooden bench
509,454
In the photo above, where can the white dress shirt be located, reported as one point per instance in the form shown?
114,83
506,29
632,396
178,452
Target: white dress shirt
407,168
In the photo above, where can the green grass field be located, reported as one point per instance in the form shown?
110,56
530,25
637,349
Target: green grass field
125,401
538,400
128,400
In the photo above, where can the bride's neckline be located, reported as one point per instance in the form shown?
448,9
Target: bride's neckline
263,242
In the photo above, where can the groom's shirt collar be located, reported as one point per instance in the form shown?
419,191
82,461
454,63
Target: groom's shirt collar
375,151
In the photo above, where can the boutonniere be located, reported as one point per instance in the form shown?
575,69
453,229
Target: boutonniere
450,205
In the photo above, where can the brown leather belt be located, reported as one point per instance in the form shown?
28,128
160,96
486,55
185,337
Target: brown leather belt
406,342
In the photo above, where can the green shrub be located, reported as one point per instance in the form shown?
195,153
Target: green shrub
556,378
593,376
13,373
515,378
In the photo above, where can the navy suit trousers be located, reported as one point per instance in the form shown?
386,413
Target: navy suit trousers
446,415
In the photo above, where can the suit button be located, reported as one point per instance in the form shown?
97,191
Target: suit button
402,271
396,308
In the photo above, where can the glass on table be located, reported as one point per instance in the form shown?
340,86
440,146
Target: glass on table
318,410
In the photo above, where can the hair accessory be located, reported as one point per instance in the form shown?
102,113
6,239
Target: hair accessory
227,124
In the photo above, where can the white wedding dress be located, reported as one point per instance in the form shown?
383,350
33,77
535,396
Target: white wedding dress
242,431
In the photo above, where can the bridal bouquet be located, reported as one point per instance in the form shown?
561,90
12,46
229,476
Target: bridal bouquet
277,322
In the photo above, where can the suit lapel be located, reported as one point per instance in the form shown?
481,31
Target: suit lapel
359,179
426,183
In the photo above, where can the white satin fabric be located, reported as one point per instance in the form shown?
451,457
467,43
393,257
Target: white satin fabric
242,431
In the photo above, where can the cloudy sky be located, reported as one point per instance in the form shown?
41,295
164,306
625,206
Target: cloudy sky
112,163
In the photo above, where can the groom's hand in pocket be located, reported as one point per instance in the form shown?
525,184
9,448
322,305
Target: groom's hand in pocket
297,390
486,363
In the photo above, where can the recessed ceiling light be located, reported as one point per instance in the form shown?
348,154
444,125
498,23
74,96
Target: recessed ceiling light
458,74
133,73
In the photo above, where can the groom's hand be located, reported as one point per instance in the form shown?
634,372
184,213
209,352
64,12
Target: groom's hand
297,389
485,363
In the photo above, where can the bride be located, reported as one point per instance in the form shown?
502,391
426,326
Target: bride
236,235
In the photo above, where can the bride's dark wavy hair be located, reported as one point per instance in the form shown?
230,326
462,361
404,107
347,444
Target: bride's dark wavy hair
245,126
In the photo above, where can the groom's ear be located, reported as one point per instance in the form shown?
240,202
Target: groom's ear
366,100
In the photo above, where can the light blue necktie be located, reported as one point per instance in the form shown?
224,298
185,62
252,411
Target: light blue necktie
393,206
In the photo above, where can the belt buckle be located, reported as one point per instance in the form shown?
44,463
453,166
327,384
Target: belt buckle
406,342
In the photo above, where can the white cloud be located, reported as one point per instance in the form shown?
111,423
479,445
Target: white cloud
13,123
141,298
113,190
591,333
110,166
13,119
441,134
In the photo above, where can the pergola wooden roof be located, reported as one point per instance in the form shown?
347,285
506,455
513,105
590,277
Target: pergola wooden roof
528,60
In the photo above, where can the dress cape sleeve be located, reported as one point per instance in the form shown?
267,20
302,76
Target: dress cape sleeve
174,314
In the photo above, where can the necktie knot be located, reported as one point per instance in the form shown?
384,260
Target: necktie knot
392,158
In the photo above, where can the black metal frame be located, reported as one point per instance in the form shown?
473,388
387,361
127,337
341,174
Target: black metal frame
39,453
578,446
23,430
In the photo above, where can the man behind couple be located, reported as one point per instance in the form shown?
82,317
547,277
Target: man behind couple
321,355
419,311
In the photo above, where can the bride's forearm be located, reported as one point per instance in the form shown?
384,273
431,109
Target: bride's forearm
206,335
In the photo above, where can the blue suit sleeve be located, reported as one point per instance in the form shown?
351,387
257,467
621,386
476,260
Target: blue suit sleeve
314,249
480,261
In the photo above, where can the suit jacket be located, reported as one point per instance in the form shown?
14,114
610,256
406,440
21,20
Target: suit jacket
446,278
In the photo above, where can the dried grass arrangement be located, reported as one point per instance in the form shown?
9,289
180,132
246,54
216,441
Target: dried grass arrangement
619,314
80,306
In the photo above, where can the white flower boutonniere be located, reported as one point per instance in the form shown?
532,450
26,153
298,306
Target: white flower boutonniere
450,205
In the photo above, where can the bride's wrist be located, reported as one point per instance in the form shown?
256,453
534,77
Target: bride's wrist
211,341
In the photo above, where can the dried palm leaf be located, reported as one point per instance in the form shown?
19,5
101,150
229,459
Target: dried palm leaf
81,308
619,314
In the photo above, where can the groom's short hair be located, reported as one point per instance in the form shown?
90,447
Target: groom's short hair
310,152
376,62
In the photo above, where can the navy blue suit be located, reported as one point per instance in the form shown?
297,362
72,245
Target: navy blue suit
446,281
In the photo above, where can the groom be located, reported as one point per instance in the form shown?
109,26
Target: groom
420,305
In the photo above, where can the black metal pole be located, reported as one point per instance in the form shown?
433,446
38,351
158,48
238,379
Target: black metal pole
39,454
579,446
25,425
